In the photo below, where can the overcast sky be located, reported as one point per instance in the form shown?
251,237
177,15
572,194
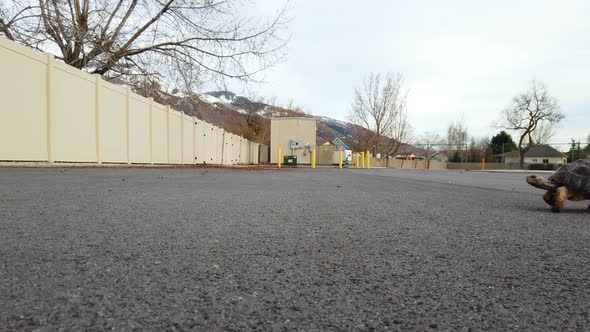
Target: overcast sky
463,60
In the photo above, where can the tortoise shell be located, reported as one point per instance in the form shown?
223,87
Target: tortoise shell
575,176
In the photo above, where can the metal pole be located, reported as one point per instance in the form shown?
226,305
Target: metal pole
279,158
503,160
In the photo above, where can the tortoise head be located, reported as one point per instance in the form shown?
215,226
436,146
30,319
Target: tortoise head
540,182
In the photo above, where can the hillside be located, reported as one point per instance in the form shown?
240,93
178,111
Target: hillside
251,119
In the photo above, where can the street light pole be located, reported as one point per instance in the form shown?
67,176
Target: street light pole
503,160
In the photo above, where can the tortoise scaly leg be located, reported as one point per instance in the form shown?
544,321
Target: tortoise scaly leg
559,197
548,197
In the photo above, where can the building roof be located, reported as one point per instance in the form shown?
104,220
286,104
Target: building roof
340,144
537,151
408,149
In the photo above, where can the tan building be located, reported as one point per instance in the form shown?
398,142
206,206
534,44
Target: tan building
538,154
294,136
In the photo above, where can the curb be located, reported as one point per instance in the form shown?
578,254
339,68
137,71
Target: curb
518,171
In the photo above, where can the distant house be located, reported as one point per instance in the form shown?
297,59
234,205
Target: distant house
340,144
538,154
407,151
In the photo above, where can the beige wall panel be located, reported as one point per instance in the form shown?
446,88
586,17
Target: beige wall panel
249,147
325,154
200,134
244,151
250,159
23,122
159,134
174,135
73,117
263,153
235,149
210,139
218,145
76,125
254,150
282,130
437,164
227,148
206,145
187,139
112,125
256,157
211,144
409,164
139,130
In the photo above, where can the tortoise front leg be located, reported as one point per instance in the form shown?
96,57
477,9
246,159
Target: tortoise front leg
560,196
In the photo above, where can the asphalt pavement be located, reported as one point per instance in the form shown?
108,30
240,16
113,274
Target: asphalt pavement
324,249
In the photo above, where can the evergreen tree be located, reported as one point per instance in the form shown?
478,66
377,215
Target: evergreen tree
575,152
503,138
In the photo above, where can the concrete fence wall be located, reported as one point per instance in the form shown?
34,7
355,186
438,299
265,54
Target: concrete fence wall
404,164
488,166
52,112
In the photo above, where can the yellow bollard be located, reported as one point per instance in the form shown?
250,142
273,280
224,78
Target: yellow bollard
313,158
368,159
340,159
483,164
279,158
357,160
362,160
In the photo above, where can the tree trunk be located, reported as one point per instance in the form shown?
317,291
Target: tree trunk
521,158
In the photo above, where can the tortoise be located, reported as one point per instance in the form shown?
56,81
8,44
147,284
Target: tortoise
570,182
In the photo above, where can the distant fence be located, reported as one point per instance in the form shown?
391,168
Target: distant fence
403,163
52,112
434,164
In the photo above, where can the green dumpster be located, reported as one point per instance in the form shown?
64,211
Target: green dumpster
290,161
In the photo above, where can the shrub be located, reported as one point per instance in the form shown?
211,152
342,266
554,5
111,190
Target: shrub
543,167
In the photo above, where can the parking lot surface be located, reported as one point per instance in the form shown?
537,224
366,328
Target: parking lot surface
324,249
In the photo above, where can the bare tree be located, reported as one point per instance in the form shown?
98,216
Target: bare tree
527,112
433,145
456,140
380,106
360,139
397,134
186,41
544,133
257,128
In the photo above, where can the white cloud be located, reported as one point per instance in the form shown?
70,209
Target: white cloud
462,58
